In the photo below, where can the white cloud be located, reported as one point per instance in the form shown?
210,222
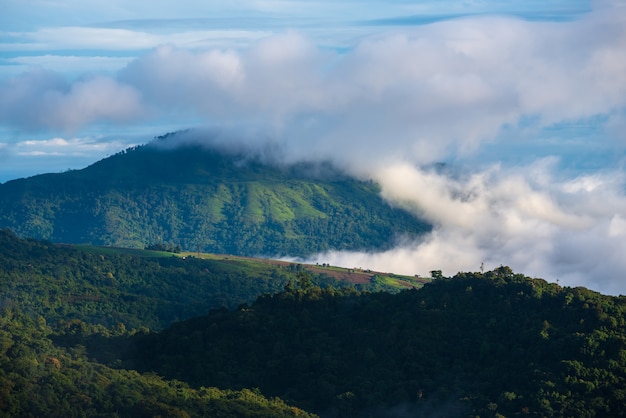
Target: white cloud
42,99
71,64
446,86
75,147
423,93
44,155
550,229
114,39
83,38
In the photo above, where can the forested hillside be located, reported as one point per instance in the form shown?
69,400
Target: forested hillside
257,339
55,296
84,289
493,344
40,379
207,200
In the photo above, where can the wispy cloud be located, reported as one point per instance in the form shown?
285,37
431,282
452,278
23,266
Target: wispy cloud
59,154
112,39
79,38
62,146
69,65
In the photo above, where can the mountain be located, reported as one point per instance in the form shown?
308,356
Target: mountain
205,200
487,344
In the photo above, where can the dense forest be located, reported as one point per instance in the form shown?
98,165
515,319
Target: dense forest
95,331
53,296
95,288
57,301
205,200
41,379
492,344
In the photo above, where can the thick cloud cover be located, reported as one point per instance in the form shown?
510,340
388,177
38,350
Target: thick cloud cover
390,107
571,230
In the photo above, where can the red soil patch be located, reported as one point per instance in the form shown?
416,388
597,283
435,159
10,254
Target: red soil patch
354,276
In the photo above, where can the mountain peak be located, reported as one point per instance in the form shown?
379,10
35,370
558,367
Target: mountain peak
209,198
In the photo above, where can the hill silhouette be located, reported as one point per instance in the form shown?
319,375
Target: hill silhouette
487,344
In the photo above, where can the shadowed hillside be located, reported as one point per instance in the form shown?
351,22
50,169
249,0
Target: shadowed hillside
490,345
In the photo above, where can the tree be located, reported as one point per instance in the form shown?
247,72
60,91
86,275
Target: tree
436,274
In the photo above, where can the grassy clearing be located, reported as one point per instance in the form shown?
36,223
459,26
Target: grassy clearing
137,252
256,266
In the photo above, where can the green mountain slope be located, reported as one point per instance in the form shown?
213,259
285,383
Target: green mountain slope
493,344
204,200
39,379
86,289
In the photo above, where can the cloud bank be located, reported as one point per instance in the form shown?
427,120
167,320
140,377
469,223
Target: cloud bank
423,93
571,230
390,107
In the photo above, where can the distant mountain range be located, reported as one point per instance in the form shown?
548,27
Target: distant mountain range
207,200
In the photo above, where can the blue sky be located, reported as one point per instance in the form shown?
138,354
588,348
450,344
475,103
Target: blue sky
525,102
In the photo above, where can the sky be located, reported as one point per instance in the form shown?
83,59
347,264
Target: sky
502,122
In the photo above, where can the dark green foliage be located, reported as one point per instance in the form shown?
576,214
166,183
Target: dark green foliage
38,379
88,289
204,200
55,296
473,345
169,248
479,344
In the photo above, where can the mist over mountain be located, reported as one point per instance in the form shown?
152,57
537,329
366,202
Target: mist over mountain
214,199
336,142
